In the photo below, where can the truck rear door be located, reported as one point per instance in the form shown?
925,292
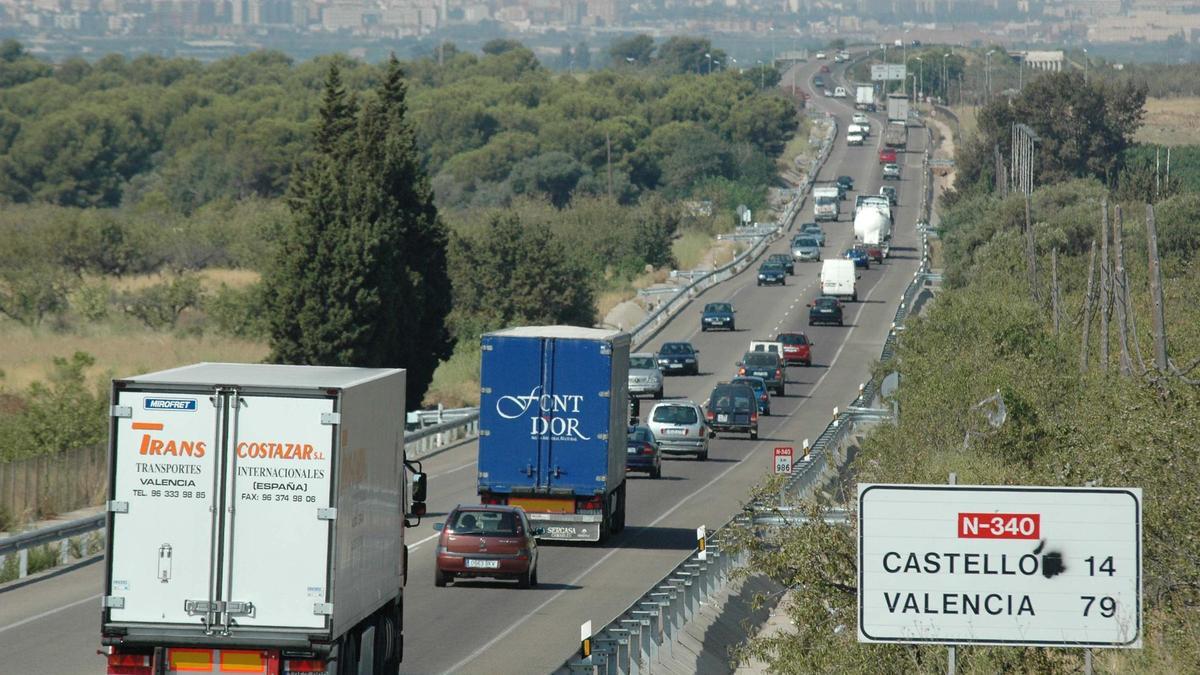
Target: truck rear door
163,470
511,391
278,522
575,427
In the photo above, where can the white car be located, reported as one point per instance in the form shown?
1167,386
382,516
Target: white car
839,92
854,139
821,55
680,428
860,118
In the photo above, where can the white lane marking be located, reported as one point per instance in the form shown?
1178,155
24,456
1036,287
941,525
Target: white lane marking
450,471
435,535
537,610
49,612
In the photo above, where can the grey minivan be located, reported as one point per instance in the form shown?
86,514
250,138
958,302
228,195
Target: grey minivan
806,248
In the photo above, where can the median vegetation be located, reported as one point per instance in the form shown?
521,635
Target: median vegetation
1060,326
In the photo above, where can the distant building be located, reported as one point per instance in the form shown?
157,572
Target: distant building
1051,61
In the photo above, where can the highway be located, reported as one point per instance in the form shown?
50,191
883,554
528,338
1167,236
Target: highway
52,627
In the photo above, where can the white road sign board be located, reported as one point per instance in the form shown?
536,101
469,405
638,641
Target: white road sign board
888,71
1034,566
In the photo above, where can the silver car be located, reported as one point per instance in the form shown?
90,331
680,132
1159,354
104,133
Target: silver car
891,171
645,377
806,248
813,230
680,428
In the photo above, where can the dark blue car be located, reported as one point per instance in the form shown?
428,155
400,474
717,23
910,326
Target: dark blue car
771,273
678,358
860,257
717,315
642,452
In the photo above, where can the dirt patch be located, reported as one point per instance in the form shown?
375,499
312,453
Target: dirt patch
1171,121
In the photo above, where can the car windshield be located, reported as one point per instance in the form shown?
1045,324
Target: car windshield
809,242
718,307
761,359
675,414
486,523
740,398
641,363
792,339
676,348
823,200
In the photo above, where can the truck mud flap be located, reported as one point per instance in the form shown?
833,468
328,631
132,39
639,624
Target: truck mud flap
562,527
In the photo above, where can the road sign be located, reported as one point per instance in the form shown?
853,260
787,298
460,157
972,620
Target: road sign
888,71
1034,566
746,216
783,459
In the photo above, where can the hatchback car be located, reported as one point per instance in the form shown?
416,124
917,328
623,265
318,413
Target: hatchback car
486,541
859,255
679,357
767,365
645,377
760,390
891,171
717,315
783,260
733,408
772,274
854,139
889,191
813,230
845,182
887,156
825,309
796,348
679,428
805,247
642,452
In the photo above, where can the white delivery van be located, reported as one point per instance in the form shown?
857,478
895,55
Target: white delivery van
839,92
838,279
256,516
826,203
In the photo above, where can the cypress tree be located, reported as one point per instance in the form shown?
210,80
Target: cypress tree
361,280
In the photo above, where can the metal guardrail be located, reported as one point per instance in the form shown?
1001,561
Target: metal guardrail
463,425
645,633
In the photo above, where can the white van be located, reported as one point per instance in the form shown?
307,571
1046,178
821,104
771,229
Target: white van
839,92
863,130
838,279
767,346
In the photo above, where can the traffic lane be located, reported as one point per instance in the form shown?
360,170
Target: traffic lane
622,572
53,626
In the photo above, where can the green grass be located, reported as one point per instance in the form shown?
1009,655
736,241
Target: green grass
691,249
456,380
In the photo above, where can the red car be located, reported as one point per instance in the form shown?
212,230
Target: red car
487,541
796,348
887,156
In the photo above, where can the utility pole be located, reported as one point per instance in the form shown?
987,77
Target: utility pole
988,74
608,153
1085,65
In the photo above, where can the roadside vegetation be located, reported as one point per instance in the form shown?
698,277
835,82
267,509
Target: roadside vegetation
1087,402
155,210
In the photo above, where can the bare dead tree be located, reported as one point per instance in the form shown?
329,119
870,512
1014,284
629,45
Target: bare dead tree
1156,293
1105,290
1054,287
1121,291
1031,255
1087,310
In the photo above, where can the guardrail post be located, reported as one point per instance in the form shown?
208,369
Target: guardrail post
584,666
604,653
22,563
637,647
651,616
64,551
619,641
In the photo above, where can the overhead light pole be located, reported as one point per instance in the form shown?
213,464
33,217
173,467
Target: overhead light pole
945,78
1085,65
988,74
922,67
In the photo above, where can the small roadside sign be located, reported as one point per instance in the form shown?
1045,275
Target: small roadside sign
1000,565
746,216
701,535
783,459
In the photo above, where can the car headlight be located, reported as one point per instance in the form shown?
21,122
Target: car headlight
689,360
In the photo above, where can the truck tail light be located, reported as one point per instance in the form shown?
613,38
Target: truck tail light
754,416
303,666
741,371
495,500
779,373
595,503
126,663
710,416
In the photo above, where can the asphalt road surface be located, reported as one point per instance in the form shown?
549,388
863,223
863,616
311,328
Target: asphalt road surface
52,627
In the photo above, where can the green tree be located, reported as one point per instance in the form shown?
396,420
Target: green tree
683,54
361,280
583,56
500,46
554,174
635,50
512,273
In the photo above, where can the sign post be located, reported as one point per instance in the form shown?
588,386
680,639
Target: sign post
700,535
1000,565
783,459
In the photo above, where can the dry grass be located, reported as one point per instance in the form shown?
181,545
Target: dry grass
28,354
1171,121
967,124
691,249
210,280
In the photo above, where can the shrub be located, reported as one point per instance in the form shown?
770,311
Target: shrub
238,312
160,305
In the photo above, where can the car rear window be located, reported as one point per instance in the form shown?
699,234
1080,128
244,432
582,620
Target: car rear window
793,339
810,243
642,362
826,302
741,398
675,414
487,523
761,359
640,435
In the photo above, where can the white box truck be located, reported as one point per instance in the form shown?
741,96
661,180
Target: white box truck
256,519
826,203
839,279
864,97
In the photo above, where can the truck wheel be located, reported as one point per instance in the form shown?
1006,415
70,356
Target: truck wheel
386,653
346,658
621,508
440,578
702,456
